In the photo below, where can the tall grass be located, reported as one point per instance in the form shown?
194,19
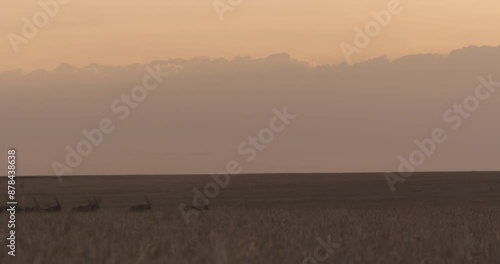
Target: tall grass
451,234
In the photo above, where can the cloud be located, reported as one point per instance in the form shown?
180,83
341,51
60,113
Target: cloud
352,117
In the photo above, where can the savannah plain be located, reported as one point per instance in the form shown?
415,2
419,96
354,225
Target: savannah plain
264,218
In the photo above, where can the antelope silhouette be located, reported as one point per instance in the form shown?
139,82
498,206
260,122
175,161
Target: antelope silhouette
141,207
189,207
31,209
55,208
91,206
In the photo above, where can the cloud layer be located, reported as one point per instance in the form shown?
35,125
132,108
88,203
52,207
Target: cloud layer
349,118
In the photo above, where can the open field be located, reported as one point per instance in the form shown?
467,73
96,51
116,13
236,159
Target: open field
431,218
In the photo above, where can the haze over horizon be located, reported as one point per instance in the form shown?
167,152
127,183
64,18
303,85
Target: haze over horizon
350,118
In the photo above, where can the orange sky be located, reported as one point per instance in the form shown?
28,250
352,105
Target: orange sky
125,31
350,118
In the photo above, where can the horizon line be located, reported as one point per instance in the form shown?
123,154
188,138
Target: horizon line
257,173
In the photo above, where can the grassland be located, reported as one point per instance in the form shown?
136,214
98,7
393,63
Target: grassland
431,218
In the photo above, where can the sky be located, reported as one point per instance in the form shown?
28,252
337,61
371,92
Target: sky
215,82
125,32
334,118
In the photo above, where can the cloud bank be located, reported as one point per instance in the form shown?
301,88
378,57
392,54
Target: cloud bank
357,117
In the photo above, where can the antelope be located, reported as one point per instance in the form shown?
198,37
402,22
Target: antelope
141,207
91,206
23,209
55,208
18,208
189,207
31,209
3,209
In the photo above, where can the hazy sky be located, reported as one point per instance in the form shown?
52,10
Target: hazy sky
349,118
118,32
263,55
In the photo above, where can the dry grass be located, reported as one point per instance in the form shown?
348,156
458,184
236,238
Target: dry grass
286,234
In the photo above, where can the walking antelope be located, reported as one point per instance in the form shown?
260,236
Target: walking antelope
91,206
19,209
141,207
189,207
23,209
55,208
3,209
31,209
